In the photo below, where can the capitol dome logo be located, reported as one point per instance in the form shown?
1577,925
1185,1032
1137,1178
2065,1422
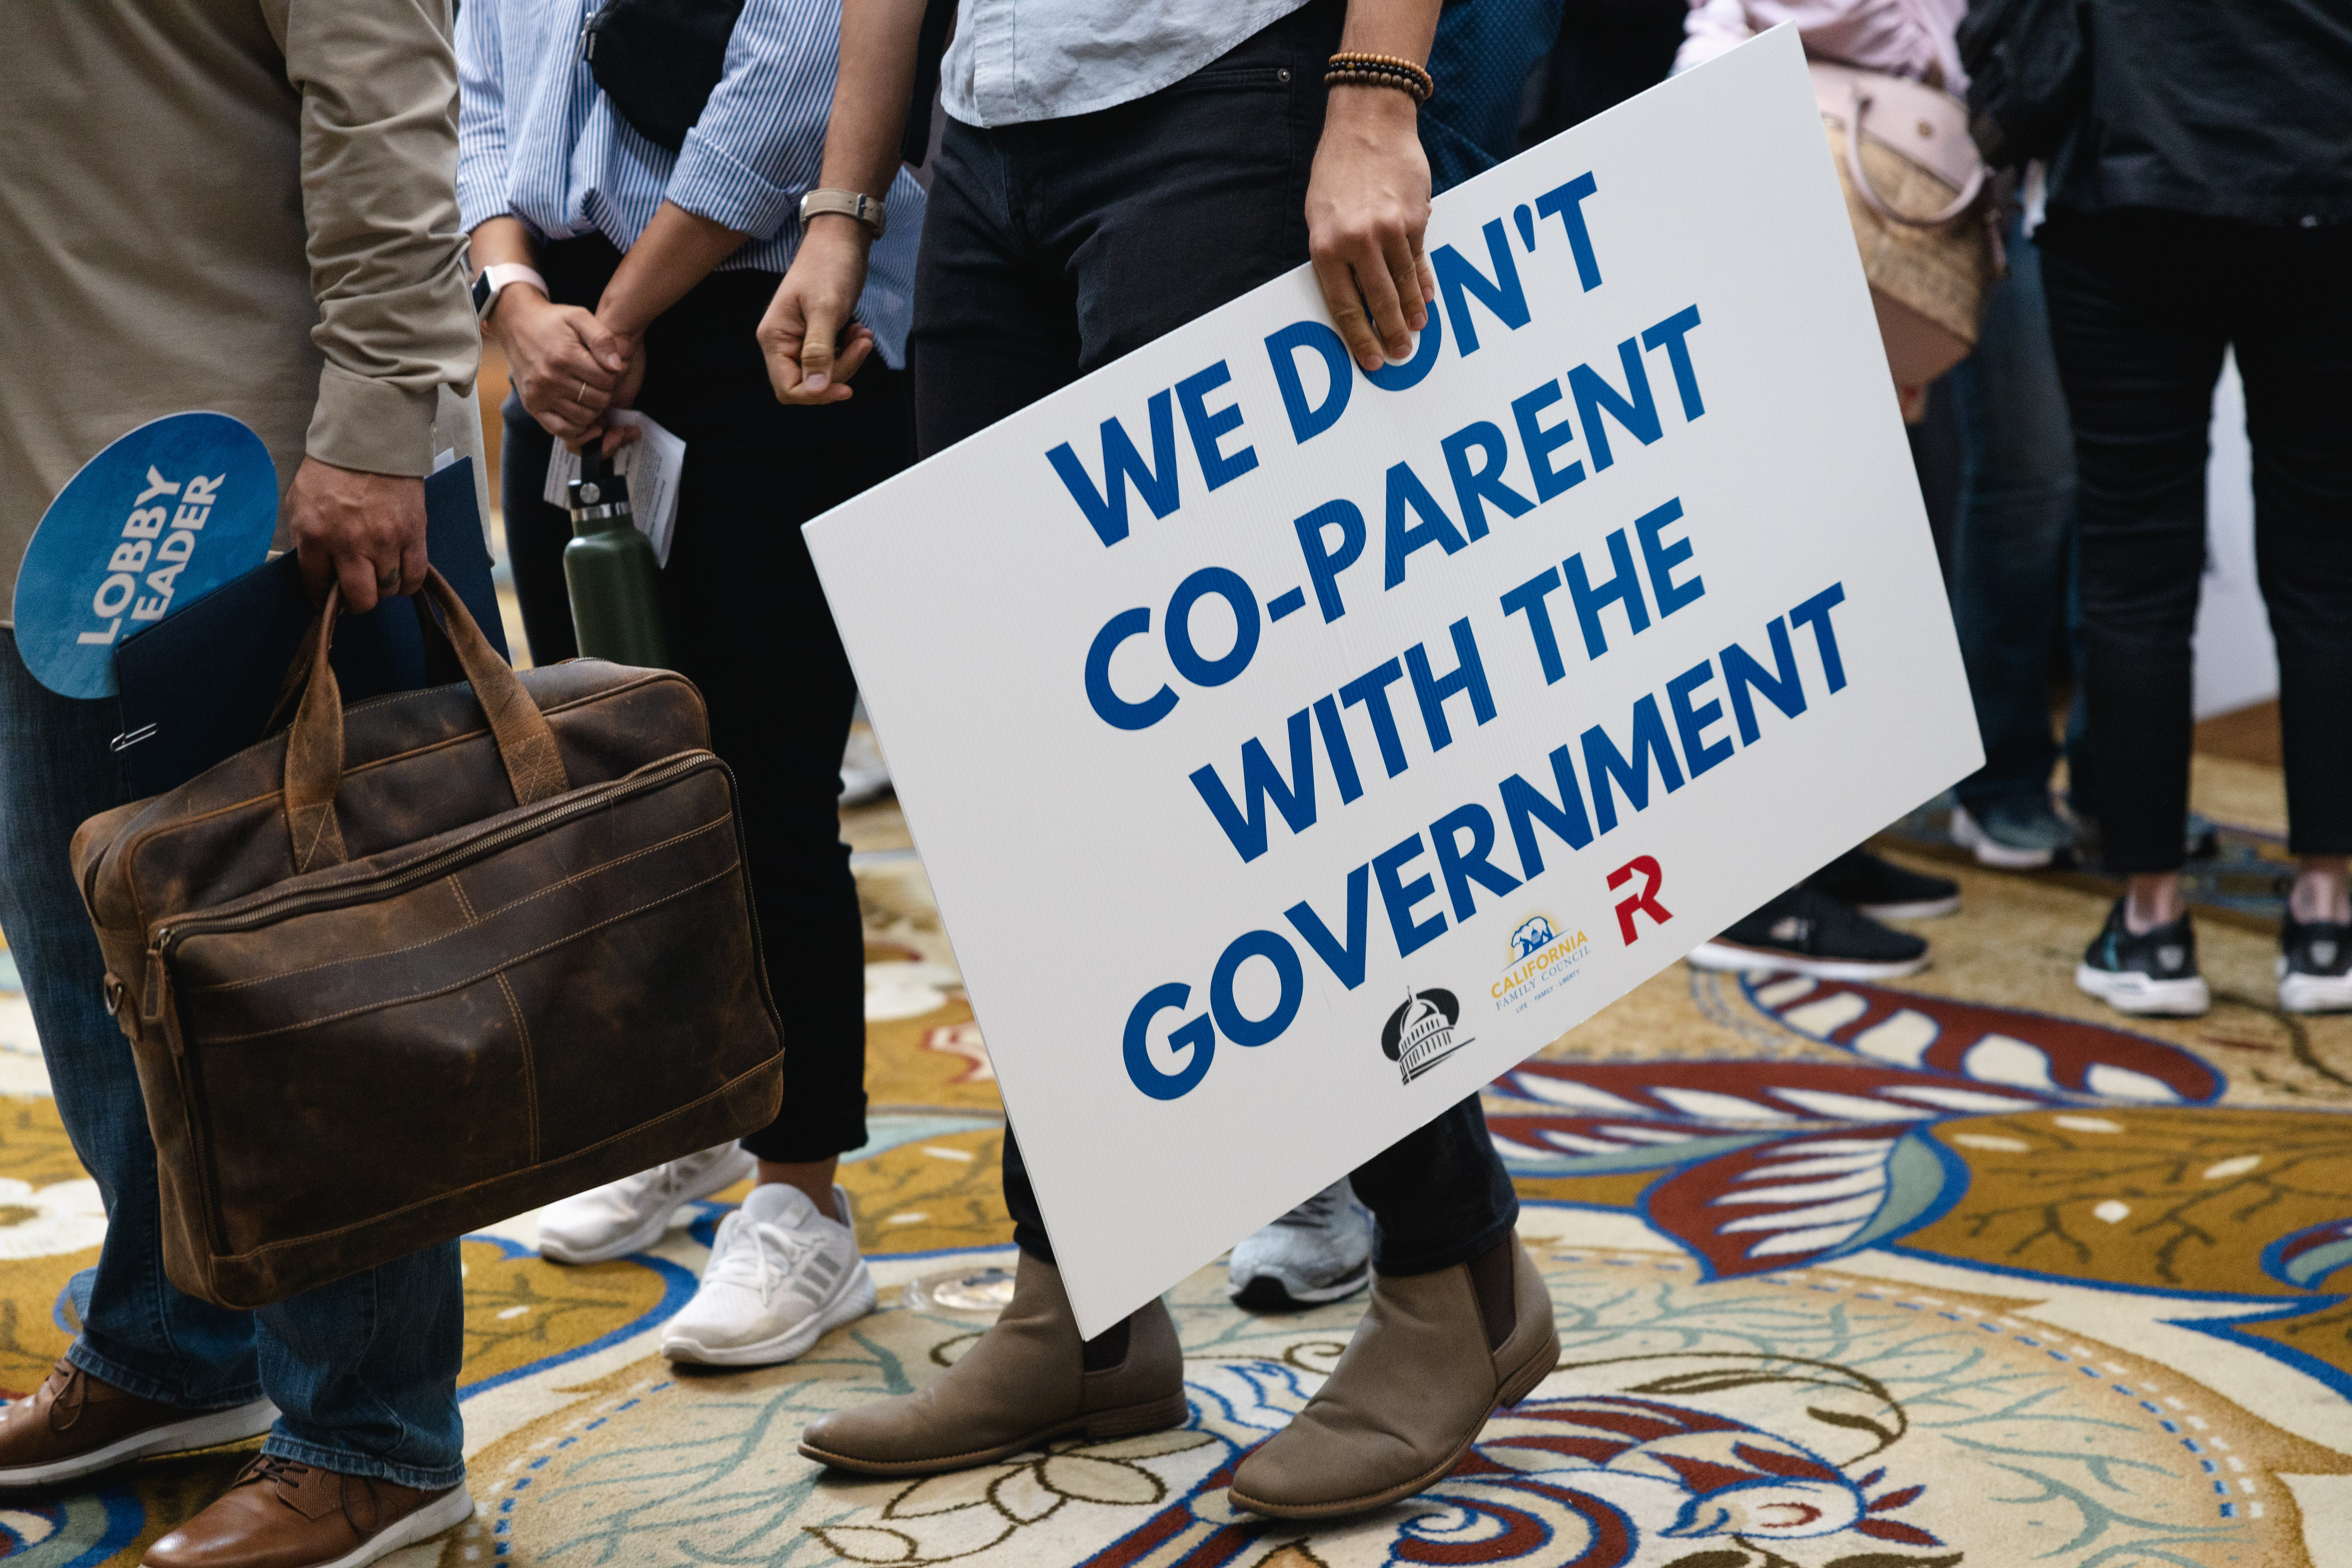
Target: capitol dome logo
1420,1035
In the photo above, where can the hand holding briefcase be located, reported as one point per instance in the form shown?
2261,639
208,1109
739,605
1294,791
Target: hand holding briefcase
408,969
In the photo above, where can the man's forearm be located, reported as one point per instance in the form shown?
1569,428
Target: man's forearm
878,42
500,240
1402,28
678,250
379,135
1367,201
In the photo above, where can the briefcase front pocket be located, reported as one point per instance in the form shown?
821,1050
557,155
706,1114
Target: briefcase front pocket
394,1050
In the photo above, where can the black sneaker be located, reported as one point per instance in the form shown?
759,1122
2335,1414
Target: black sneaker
1884,890
1806,931
2154,972
2315,966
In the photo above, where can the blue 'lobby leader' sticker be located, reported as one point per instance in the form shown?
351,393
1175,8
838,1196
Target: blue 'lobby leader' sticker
167,513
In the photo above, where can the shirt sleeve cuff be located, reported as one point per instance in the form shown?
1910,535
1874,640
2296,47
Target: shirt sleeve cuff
482,195
712,182
371,425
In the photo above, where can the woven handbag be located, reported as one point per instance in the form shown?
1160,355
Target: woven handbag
1914,188
410,968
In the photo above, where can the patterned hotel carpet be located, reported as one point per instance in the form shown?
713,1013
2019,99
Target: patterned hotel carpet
1958,1271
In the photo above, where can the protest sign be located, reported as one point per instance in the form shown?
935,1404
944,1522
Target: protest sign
166,513
1293,749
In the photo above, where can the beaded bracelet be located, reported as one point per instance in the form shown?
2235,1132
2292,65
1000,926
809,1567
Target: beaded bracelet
1381,71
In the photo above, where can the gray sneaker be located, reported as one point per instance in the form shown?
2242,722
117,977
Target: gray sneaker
1319,1251
2015,835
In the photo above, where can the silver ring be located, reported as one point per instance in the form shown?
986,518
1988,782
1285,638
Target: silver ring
582,397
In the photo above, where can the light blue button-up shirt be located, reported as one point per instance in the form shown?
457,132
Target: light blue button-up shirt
1016,61
538,139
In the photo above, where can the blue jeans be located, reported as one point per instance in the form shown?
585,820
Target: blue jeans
2013,564
363,1371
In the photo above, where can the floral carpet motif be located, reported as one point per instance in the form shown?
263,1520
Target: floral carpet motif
1965,1269
1814,1419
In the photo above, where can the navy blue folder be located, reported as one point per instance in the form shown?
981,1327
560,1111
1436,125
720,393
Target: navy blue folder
200,685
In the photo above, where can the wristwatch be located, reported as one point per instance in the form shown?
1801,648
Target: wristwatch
865,209
494,280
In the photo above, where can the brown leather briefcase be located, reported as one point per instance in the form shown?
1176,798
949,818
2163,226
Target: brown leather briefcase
413,967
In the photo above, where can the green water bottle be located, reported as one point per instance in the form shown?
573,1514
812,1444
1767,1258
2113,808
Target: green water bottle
610,569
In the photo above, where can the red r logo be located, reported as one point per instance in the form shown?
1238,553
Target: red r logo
1645,900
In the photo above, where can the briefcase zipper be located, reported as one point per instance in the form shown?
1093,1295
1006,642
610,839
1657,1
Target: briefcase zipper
266,908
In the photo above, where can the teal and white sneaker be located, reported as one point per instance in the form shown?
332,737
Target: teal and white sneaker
2013,836
2154,972
1319,1251
2315,966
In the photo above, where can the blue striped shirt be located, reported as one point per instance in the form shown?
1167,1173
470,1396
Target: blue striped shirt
538,139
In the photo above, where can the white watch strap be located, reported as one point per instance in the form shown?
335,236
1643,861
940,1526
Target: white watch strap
498,274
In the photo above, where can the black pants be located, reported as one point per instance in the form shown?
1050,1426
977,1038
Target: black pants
2142,304
748,624
1053,247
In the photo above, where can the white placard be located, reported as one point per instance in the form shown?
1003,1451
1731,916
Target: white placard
651,464
1242,792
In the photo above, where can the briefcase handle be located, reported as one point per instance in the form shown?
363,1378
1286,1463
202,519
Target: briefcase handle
314,747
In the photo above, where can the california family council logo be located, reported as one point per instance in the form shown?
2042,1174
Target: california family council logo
1542,957
1420,1035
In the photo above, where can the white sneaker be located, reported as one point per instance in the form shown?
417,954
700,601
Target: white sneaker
630,1214
2315,967
1319,1251
781,1277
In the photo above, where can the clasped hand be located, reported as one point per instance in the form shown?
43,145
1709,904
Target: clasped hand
570,367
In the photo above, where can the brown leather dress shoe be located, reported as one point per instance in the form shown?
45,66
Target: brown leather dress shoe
279,1513
1436,1354
1030,1378
75,1426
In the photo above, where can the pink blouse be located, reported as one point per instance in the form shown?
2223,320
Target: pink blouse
1907,38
